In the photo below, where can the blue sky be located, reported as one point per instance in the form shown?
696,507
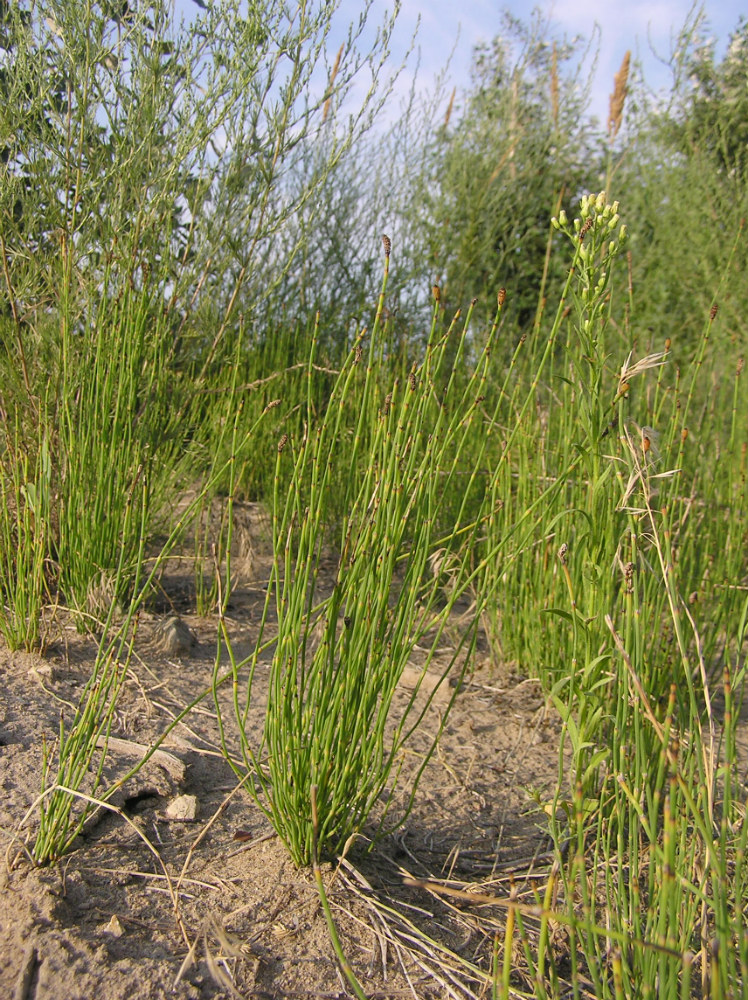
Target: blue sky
649,28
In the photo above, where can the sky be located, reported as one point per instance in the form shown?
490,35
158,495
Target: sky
448,31
649,28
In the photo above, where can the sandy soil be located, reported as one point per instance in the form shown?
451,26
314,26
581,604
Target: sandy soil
216,909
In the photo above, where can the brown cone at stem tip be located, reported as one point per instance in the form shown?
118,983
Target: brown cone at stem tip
387,244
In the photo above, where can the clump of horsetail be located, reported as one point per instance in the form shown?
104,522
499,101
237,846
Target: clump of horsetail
334,722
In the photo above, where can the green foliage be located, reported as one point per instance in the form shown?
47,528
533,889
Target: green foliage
517,149
148,183
682,178
333,729
24,524
187,249
713,118
80,750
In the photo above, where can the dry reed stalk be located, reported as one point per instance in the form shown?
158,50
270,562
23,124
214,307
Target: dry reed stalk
618,97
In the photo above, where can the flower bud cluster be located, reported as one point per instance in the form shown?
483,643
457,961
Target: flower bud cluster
597,217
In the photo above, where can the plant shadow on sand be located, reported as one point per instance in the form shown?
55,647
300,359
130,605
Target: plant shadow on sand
103,922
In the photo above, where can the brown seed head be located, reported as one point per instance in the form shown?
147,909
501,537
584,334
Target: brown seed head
562,553
357,354
387,403
387,244
740,365
449,107
668,342
282,443
618,97
436,292
501,297
713,311
412,381
333,74
684,434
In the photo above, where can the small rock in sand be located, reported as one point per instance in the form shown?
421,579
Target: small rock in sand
175,638
114,927
182,809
